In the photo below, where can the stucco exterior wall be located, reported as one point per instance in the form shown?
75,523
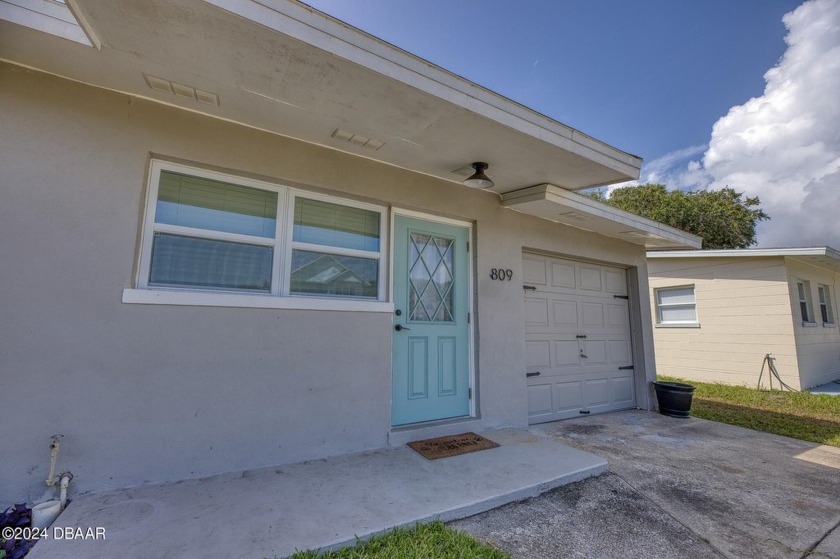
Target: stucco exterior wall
744,311
151,393
817,344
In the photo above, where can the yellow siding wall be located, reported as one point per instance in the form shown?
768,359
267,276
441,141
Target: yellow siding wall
744,311
818,345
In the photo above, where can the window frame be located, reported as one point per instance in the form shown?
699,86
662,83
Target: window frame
279,295
826,305
291,244
676,324
809,304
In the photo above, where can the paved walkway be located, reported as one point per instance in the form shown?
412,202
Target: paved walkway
322,504
678,488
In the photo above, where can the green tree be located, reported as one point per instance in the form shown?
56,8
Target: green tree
721,217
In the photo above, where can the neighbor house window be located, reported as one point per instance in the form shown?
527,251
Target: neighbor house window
803,289
208,231
825,305
676,305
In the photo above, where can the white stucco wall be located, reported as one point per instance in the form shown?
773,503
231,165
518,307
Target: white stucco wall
148,393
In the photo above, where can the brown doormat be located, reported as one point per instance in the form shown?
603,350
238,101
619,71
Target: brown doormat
453,445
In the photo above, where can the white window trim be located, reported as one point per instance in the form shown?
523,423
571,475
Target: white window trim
675,323
279,296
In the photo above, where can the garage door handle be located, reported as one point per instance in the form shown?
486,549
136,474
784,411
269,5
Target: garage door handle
532,374
529,287
625,368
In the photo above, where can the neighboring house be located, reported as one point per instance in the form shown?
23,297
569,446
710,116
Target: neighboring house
717,313
236,234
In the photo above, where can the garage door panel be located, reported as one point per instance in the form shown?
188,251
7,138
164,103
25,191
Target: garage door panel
595,352
596,391
590,277
581,343
616,316
622,390
567,395
618,352
539,399
533,270
565,313
537,353
566,354
536,312
616,282
563,275
592,315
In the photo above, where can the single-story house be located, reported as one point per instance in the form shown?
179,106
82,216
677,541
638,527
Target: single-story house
236,233
718,313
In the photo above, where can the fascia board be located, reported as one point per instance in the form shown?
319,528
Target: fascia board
578,203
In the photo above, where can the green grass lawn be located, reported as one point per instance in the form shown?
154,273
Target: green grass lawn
422,542
800,415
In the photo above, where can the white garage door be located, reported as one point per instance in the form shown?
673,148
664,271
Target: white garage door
577,339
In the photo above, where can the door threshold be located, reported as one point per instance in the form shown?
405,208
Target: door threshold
402,434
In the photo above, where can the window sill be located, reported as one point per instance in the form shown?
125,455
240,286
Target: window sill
809,324
678,325
249,301
829,325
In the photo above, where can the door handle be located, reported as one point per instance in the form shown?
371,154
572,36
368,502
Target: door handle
400,328
532,374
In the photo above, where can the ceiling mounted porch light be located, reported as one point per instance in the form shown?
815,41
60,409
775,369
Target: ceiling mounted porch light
479,179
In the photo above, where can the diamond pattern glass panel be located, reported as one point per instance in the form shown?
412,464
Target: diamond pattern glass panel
430,291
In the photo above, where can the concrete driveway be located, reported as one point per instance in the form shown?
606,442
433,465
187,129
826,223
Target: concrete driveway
678,488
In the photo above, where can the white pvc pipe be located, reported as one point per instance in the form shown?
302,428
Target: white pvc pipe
44,515
65,483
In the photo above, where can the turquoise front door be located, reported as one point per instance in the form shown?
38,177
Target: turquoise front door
431,371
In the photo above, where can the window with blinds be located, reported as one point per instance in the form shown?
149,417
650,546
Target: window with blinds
209,231
826,310
803,289
335,249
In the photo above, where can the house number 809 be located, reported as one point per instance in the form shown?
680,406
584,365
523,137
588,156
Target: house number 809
500,274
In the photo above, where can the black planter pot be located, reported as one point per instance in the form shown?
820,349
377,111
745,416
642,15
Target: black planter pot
674,398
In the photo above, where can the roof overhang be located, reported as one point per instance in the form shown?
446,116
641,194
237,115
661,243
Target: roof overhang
283,67
823,257
559,205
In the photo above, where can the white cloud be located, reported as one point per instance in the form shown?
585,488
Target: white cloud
675,169
784,146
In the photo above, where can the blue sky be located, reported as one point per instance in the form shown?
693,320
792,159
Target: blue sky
656,78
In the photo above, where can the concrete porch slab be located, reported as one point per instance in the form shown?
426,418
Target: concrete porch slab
321,504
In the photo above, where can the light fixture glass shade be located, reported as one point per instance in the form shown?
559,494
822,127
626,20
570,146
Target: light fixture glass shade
479,179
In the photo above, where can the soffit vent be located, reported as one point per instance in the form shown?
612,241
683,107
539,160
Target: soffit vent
181,90
575,216
356,139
